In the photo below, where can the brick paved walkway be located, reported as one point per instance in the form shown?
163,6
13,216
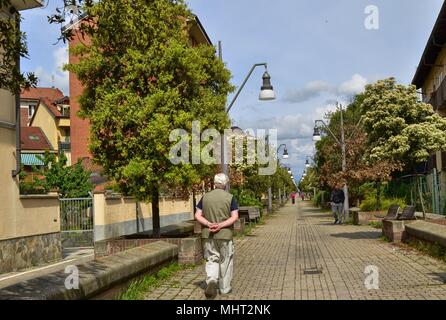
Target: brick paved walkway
280,259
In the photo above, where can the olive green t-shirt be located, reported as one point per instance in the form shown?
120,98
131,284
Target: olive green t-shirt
217,206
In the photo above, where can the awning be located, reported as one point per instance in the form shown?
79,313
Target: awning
32,159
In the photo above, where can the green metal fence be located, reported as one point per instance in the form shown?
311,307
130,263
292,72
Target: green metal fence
426,192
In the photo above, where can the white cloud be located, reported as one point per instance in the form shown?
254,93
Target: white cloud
353,86
56,76
311,90
316,88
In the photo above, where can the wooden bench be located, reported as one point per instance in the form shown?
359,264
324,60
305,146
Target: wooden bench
249,213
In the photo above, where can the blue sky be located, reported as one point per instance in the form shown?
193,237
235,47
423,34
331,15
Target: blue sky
318,51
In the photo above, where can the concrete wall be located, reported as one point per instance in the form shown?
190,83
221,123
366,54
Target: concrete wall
29,227
115,217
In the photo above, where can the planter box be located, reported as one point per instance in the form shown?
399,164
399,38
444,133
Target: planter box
190,249
394,230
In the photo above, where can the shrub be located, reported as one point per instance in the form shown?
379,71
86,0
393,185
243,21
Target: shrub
247,198
369,203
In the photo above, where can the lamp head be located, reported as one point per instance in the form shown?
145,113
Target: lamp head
267,91
285,153
316,134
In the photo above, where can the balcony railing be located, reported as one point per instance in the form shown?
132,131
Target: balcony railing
65,146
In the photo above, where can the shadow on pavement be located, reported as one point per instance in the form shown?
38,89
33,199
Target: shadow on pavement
200,284
358,235
441,277
321,215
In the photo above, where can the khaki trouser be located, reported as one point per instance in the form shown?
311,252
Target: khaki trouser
219,262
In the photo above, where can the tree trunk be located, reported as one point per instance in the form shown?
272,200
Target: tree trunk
421,198
194,201
378,196
156,213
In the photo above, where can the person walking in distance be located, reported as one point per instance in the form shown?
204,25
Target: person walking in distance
337,204
217,211
293,197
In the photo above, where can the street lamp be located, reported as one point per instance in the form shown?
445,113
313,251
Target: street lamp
285,154
341,142
267,91
307,163
266,94
317,133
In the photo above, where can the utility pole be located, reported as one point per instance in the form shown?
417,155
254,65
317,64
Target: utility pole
344,163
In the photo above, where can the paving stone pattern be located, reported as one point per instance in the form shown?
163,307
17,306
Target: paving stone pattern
299,255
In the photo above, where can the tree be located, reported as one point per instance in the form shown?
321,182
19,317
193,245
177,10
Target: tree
13,47
55,175
69,182
399,127
358,170
142,80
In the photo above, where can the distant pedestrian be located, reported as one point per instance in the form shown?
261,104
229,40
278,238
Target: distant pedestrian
293,197
302,195
337,199
217,211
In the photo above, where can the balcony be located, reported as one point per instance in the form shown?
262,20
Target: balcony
438,97
26,4
64,146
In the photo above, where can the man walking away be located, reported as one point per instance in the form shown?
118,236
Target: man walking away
337,203
293,197
217,211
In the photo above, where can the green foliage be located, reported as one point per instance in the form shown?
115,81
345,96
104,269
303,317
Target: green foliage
246,198
433,249
310,181
30,183
13,44
370,202
318,199
143,79
69,182
376,224
399,127
139,288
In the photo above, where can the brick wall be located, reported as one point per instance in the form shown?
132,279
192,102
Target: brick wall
79,128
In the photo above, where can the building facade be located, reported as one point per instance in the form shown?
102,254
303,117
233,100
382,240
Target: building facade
50,111
430,80
29,228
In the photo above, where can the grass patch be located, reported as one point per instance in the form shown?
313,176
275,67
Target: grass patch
434,250
384,238
376,224
138,288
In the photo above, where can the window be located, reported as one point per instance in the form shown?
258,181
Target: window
31,110
33,137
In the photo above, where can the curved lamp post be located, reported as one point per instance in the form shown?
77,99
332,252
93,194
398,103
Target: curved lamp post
266,94
317,137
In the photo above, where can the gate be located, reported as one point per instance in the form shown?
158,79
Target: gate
77,222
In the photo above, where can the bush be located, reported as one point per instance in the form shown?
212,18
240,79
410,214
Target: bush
369,203
246,198
318,199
